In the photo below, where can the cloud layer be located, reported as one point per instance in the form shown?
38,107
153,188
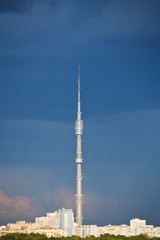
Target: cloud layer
15,207
18,208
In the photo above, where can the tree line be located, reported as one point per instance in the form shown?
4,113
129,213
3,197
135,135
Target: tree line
37,236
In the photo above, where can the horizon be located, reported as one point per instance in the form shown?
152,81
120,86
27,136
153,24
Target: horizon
117,44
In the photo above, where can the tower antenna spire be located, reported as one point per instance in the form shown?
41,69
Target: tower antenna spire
79,89
79,160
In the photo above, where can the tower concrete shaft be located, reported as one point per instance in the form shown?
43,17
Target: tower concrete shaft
79,160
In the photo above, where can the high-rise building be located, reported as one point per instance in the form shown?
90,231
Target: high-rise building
79,160
66,220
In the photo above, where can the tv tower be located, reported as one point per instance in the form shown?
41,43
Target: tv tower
79,160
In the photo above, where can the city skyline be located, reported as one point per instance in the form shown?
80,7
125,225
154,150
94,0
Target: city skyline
61,223
117,44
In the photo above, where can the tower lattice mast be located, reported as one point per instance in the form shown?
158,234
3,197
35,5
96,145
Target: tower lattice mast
79,160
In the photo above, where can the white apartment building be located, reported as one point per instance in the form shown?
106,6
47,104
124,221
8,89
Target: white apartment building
88,230
137,223
51,220
66,220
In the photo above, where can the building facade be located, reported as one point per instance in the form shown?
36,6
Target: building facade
88,230
51,220
66,220
137,227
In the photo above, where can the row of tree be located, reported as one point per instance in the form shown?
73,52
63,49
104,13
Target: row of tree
33,236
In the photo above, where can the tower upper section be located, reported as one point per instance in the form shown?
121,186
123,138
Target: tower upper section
79,122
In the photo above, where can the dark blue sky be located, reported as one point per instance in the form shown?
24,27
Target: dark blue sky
117,43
